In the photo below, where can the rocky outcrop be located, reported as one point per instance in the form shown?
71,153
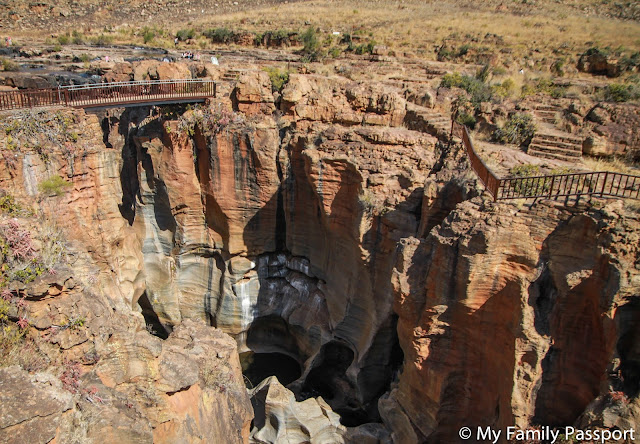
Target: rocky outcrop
529,285
610,127
280,419
312,224
597,62
31,406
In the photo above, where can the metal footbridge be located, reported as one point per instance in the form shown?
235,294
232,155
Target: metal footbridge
152,92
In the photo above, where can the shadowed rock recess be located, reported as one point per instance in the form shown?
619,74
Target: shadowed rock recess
352,258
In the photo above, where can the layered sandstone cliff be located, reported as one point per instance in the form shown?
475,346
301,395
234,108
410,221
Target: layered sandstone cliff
312,223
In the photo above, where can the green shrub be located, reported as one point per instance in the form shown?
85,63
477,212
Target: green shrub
526,170
102,40
278,37
185,34
77,38
499,71
546,86
466,119
518,130
311,44
528,186
9,65
618,92
64,39
483,73
335,52
630,62
478,90
558,67
53,185
220,35
365,48
446,53
504,89
8,203
148,35
278,77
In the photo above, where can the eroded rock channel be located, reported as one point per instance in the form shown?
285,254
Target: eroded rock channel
257,227
352,258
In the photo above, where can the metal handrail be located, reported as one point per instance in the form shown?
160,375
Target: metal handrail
103,94
133,83
602,183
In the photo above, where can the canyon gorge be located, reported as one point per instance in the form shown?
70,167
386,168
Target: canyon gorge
326,234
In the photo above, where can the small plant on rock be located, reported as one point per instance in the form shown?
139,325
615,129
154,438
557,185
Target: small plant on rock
55,185
519,130
70,376
279,77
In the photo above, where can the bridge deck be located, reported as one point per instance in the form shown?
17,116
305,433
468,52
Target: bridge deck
112,94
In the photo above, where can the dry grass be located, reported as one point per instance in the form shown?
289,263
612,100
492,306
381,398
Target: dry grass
546,29
419,26
615,165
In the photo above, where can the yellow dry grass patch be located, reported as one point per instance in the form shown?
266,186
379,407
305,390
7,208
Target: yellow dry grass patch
614,165
421,25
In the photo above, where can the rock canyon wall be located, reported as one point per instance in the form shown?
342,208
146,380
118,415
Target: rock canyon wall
311,223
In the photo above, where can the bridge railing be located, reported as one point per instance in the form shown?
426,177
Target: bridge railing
599,183
490,180
109,93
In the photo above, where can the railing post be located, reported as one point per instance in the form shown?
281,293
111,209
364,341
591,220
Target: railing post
553,179
604,183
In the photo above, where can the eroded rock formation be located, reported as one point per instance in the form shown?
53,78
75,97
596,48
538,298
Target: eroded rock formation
312,223
513,322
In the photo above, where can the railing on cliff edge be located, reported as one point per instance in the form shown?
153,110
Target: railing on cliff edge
110,94
600,183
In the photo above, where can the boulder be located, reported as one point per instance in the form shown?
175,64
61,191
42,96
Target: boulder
31,406
279,419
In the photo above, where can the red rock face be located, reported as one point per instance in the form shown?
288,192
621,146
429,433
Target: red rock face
506,324
309,232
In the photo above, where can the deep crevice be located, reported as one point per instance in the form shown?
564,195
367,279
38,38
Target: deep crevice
154,326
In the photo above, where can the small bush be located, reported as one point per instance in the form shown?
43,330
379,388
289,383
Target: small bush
618,92
505,89
446,53
9,65
518,130
546,86
478,90
185,34
499,71
311,44
77,38
64,39
278,78
558,67
529,186
102,40
483,73
53,185
148,36
526,170
220,35
8,204
279,37
466,119
365,48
